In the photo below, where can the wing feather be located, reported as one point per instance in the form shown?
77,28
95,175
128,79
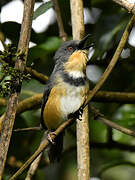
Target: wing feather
47,91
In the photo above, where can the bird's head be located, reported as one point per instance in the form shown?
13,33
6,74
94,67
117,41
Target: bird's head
73,55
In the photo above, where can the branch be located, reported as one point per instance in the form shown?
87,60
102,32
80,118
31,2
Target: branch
62,33
98,116
29,103
127,5
38,76
78,29
82,127
117,97
35,164
8,122
33,167
28,129
114,59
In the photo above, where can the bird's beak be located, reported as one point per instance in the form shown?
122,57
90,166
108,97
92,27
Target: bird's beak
82,45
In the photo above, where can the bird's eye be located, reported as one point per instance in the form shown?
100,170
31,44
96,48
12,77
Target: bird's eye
70,48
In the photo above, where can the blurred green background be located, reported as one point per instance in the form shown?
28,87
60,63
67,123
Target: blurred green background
105,21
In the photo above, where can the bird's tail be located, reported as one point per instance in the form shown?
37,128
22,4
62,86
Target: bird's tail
56,149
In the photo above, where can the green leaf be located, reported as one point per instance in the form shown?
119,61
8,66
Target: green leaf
42,9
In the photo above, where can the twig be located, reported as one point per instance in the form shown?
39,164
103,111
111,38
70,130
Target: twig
28,129
41,148
98,116
127,5
38,76
114,59
33,167
35,163
8,122
83,149
62,33
29,103
117,97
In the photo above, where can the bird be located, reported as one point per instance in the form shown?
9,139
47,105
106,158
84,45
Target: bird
66,91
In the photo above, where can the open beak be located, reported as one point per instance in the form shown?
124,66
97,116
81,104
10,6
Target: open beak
82,44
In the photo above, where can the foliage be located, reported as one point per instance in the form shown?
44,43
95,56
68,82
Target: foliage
42,9
9,74
108,24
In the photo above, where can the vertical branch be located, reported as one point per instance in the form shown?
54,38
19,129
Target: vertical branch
83,153
62,33
77,19
9,117
83,147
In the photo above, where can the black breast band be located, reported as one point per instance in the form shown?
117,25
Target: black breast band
81,81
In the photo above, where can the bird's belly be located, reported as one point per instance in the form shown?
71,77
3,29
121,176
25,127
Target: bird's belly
72,101
70,104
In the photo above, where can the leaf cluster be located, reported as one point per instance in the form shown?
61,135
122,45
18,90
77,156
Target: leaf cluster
10,76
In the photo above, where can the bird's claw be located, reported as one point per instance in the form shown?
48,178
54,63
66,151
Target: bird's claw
80,113
50,138
77,114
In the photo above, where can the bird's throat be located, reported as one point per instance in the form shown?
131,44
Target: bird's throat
77,62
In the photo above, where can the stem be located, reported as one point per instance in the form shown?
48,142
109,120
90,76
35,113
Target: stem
83,149
62,33
127,5
98,116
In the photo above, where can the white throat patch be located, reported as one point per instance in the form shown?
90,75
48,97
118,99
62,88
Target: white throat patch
76,74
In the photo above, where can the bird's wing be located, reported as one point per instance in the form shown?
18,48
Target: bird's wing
47,91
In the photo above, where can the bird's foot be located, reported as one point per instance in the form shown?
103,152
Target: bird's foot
77,115
50,138
80,113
